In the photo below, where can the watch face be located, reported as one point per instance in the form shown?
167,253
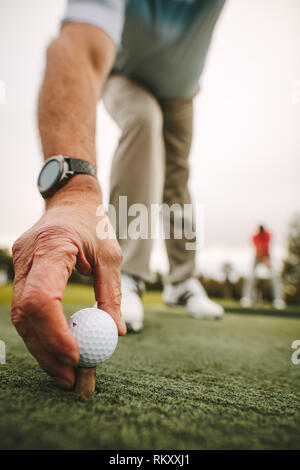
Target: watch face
50,174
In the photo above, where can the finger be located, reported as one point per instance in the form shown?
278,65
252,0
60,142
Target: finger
107,286
20,271
64,376
18,318
41,301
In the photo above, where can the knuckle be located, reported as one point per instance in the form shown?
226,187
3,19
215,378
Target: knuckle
52,236
17,248
112,255
58,243
17,315
114,302
17,245
18,319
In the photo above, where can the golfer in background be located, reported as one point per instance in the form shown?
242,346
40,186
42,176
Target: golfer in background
261,241
145,58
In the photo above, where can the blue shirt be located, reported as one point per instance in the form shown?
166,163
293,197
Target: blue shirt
161,43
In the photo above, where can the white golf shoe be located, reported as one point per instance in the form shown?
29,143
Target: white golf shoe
191,294
279,304
246,302
131,305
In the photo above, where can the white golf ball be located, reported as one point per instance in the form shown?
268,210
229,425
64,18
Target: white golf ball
96,334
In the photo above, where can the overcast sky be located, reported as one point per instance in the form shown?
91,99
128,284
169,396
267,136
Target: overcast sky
245,156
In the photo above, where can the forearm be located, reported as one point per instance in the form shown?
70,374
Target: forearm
78,62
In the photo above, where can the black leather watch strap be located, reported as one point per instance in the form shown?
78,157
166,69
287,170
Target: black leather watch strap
58,170
80,166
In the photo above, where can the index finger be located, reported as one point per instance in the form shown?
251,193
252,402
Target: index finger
41,301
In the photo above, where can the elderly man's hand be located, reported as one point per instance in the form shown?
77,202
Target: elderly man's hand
65,237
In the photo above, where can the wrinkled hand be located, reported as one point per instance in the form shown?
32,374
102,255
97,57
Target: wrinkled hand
65,237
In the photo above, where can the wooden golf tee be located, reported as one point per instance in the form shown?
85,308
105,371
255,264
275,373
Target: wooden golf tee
85,380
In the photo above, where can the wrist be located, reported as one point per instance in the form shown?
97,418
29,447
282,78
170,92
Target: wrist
80,190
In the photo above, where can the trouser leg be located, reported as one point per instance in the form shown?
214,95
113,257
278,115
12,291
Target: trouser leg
138,165
177,131
249,284
275,284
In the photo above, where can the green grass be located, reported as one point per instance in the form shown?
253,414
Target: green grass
179,384
76,294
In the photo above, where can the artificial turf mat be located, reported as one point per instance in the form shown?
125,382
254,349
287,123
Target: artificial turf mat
179,384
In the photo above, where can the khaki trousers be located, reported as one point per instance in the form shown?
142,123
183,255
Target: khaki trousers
150,166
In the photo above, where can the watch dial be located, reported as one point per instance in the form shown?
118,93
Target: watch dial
49,175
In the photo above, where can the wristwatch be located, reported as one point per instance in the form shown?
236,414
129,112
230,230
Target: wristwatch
58,170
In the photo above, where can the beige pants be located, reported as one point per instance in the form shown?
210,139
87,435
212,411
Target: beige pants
150,166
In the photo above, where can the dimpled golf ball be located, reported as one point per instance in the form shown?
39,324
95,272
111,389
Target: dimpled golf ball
96,334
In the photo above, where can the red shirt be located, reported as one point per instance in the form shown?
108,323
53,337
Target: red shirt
261,241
